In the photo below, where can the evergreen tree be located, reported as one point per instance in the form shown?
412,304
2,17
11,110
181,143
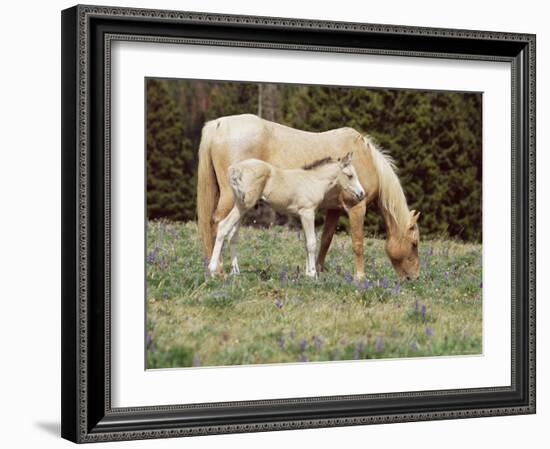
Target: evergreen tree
170,184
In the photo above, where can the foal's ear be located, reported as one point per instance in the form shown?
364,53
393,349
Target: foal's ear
346,160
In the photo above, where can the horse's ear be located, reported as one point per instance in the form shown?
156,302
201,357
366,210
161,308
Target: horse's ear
414,218
346,160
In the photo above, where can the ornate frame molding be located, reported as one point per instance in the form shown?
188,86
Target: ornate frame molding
85,418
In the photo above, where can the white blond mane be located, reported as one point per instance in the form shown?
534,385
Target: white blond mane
391,197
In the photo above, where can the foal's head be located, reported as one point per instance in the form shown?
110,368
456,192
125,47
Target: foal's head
347,179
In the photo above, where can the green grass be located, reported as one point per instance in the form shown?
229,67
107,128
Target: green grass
271,313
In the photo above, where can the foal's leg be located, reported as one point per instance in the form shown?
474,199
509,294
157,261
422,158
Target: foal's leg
331,220
233,239
356,220
308,223
224,228
225,204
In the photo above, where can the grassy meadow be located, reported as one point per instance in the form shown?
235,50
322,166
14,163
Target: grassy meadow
271,313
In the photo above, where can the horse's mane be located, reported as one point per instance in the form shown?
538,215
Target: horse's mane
318,163
391,197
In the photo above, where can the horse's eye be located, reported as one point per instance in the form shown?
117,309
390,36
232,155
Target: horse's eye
415,244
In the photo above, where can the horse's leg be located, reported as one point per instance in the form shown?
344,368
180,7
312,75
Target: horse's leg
225,204
331,220
233,239
224,228
356,219
308,223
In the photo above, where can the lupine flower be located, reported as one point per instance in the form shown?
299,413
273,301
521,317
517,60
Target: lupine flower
316,342
281,342
279,303
358,350
283,276
423,312
302,358
397,287
152,255
347,277
385,282
364,285
303,344
429,331
379,345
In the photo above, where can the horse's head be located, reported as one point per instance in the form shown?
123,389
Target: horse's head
347,179
403,250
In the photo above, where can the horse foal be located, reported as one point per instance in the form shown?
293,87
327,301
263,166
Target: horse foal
298,192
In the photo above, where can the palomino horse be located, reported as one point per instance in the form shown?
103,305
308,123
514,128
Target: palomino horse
297,192
231,139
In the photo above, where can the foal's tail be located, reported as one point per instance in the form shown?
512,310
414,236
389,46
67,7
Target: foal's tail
207,189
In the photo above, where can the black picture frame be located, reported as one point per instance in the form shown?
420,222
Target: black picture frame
87,414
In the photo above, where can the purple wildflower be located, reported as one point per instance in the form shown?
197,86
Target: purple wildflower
317,342
303,344
281,341
347,277
423,312
358,350
152,255
385,282
196,360
302,358
379,345
279,303
364,285
429,331
397,287
413,345
283,276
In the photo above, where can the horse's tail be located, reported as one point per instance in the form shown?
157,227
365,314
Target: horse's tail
207,189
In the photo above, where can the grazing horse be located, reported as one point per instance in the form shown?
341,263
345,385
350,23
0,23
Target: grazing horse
231,139
297,192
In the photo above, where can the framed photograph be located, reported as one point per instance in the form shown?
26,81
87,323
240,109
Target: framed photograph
275,224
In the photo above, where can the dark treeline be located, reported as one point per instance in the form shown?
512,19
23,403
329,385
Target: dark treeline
434,137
